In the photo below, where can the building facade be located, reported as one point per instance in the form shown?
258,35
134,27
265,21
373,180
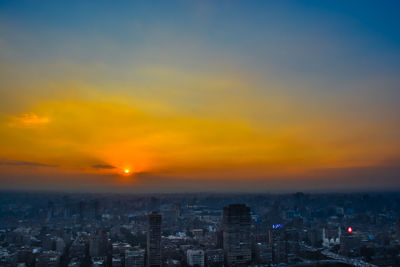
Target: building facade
195,257
236,234
153,240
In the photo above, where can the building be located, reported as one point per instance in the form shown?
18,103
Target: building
8,259
98,261
60,245
215,257
236,234
263,253
198,233
195,257
134,258
48,259
98,244
350,243
278,238
331,236
153,239
116,261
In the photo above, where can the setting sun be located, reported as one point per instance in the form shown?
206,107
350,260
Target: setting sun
127,171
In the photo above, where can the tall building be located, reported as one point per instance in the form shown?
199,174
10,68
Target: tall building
236,234
277,240
153,240
195,257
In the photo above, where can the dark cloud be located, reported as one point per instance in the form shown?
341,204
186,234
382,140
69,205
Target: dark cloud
25,163
103,166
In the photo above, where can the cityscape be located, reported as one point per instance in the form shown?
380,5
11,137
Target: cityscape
201,133
53,229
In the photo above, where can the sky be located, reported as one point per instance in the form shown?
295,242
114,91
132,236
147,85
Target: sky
181,96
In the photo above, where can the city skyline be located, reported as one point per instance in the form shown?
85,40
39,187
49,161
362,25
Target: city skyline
199,96
203,230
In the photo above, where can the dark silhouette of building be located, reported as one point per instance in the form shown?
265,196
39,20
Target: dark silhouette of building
153,239
236,234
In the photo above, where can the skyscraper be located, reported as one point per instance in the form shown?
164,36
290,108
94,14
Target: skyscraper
153,240
236,234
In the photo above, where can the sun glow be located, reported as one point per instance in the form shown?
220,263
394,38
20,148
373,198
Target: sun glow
126,171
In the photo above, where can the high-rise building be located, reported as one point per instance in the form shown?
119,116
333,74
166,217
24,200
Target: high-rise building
153,240
195,257
277,240
236,234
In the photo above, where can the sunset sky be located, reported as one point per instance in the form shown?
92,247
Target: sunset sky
176,96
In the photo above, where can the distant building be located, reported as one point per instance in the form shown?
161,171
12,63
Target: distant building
314,237
7,259
48,242
60,245
134,258
278,243
98,261
49,259
98,244
349,243
398,229
236,234
74,262
116,261
77,249
263,253
331,236
119,248
198,233
215,257
170,213
195,257
153,239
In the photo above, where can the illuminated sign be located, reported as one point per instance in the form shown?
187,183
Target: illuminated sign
350,230
276,226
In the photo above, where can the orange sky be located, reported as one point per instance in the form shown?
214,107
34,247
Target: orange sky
193,111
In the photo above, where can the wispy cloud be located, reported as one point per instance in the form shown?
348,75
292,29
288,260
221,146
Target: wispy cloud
29,120
103,166
25,163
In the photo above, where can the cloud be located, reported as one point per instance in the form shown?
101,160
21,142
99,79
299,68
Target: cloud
25,163
29,120
103,166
